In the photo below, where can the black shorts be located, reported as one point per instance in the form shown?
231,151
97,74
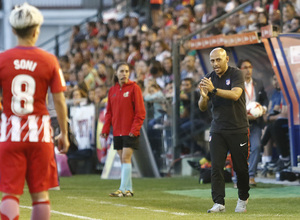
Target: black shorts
126,141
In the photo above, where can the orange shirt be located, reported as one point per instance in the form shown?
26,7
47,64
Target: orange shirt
156,2
188,2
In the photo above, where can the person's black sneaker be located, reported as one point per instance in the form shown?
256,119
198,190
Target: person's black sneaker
283,164
273,164
265,169
194,165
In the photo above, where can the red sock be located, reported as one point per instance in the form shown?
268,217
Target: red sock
9,208
40,210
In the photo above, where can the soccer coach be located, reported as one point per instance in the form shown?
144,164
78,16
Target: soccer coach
229,128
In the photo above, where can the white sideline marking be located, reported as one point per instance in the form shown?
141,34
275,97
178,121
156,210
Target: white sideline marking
107,203
159,210
138,207
120,205
64,213
134,207
179,213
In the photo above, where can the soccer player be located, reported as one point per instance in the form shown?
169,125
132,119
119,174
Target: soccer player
229,128
26,146
125,112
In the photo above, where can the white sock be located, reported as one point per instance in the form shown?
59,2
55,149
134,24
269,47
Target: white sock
266,159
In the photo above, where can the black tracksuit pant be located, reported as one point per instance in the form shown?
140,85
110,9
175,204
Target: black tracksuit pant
279,131
238,146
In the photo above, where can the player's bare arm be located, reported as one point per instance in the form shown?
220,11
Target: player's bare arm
282,114
61,109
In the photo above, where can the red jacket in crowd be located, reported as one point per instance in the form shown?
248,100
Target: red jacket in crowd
125,110
156,2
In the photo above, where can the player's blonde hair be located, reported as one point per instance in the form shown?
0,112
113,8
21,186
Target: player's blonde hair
25,16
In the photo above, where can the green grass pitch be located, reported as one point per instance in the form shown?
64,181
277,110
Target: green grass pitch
86,197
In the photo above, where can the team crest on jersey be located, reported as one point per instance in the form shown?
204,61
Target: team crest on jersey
126,94
227,82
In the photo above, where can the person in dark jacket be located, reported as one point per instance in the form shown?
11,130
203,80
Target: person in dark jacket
125,111
254,91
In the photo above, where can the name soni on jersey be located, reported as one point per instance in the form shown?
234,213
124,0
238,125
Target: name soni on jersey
25,65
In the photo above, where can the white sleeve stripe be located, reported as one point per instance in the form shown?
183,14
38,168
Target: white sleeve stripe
62,78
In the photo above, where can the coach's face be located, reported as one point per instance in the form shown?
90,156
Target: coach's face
219,61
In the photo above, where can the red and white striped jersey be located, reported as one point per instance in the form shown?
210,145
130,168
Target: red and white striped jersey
25,75
34,129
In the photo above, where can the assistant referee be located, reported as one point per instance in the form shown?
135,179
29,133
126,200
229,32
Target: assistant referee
229,128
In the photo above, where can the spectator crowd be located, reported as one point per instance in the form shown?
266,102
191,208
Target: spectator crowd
96,48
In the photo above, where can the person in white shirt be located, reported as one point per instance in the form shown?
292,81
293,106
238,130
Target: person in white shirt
254,91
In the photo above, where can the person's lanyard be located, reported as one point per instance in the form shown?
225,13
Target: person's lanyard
250,96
